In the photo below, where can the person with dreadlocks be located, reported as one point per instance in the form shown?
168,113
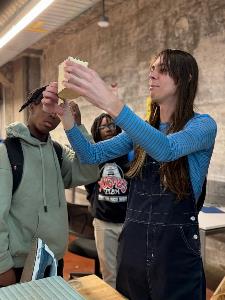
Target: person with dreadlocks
159,248
37,208
108,198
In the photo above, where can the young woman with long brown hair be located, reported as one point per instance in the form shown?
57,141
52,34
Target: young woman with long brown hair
159,252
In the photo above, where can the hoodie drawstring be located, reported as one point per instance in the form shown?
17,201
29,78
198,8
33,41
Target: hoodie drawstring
43,181
58,172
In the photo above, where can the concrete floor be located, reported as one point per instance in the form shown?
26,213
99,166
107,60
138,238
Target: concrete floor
73,263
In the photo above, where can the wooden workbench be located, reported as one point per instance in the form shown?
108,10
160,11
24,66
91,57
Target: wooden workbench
92,287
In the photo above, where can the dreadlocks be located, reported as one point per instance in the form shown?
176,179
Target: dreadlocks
34,97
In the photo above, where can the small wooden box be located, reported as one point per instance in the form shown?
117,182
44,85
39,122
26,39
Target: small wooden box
65,93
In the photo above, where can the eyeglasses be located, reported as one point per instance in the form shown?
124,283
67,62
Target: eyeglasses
111,126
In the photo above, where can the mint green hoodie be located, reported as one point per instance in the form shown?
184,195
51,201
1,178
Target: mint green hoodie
22,216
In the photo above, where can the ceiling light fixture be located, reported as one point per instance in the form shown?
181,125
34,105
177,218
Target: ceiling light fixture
104,20
27,19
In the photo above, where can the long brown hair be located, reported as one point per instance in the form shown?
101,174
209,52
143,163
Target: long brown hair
183,68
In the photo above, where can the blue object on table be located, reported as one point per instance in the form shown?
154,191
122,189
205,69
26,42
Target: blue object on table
212,210
44,259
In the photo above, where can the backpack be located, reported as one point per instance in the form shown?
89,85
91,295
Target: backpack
16,159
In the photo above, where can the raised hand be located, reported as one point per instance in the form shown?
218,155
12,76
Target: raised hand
87,83
63,110
67,117
50,99
75,112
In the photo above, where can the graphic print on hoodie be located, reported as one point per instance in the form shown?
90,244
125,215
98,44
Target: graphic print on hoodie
113,186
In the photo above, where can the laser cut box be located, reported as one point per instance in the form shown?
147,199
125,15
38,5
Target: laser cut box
65,93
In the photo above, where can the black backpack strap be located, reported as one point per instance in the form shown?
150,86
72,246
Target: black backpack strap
59,151
16,159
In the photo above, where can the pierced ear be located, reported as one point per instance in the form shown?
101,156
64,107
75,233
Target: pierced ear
190,77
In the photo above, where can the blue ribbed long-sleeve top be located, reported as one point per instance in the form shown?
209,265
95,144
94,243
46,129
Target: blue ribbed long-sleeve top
196,141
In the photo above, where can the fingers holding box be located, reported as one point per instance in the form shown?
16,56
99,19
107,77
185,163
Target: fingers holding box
65,92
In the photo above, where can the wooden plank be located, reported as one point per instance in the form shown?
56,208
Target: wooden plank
219,293
93,288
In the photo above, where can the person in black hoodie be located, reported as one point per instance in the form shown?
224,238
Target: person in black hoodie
108,198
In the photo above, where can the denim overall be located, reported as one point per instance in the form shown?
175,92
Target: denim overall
159,251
